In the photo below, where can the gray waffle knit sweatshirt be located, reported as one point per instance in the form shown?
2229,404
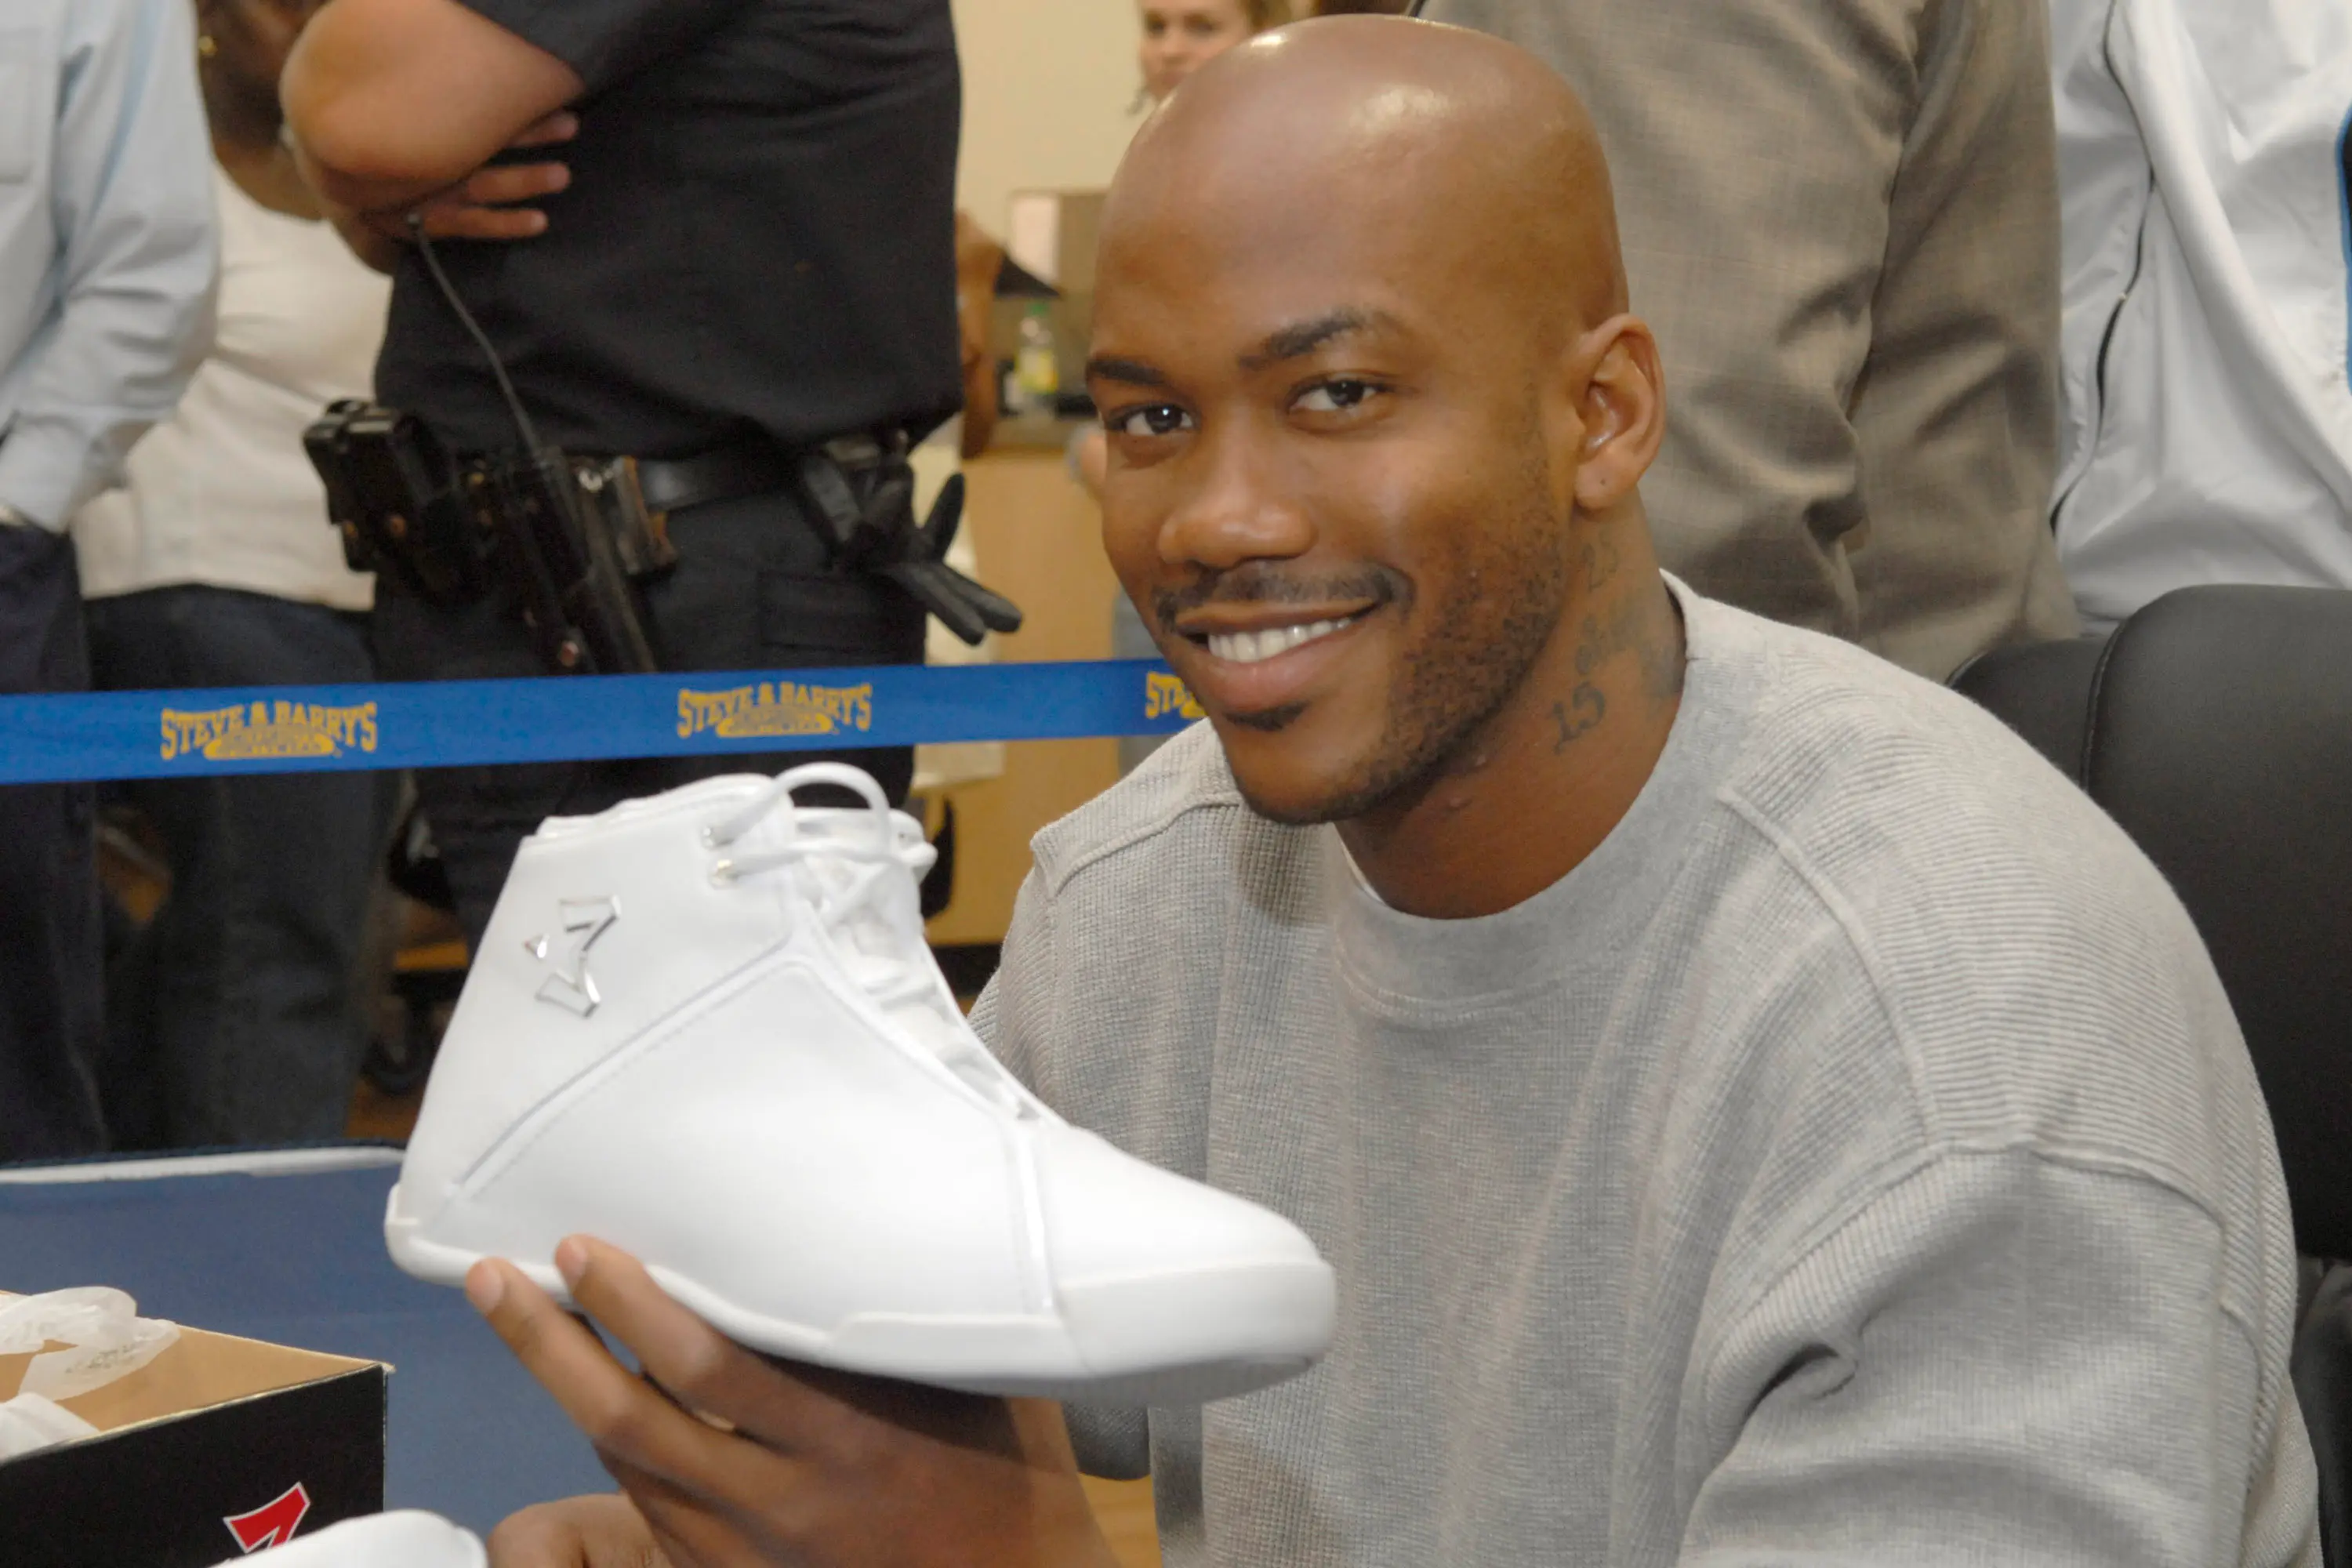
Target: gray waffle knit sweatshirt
1853,1161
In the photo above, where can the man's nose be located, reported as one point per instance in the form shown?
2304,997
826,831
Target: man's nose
1238,511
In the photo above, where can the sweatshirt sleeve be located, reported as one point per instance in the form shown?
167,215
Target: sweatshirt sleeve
2002,1356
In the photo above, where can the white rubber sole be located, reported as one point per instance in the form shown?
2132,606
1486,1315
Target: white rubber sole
1166,1338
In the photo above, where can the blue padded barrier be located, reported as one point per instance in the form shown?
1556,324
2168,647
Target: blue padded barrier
419,724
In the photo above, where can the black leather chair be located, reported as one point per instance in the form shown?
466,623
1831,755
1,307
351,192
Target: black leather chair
2216,727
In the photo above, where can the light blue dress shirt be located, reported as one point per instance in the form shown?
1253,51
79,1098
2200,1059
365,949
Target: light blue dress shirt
108,246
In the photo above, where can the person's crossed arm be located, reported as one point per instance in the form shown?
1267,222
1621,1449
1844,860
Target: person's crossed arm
393,106
727,1457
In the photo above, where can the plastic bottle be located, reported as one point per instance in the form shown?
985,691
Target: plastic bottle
1034,365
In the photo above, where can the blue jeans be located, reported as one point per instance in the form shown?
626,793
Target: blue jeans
50,946
239,1015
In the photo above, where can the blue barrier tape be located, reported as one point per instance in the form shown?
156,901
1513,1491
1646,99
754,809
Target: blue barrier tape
252,730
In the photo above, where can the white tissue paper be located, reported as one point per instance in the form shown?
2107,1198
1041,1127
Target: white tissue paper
29,1422
105,1339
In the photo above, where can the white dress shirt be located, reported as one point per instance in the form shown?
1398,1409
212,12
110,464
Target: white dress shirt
107,241
2207,427
222,492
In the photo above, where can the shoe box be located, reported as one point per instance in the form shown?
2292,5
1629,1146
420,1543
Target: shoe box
219,1447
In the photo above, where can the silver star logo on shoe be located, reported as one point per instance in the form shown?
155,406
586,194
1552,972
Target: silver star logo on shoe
571,987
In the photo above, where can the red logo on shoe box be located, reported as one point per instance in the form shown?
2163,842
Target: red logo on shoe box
273,1523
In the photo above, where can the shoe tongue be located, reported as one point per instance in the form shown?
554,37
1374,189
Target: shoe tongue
883,936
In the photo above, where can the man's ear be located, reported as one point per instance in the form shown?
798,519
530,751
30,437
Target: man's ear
1622,406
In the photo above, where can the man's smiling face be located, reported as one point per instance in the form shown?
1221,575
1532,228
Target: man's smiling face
1341,482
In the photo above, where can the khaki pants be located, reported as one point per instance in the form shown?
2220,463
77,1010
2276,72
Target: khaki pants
1841,218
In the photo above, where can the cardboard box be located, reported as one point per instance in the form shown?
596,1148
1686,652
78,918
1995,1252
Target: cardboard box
218,1447
1051,233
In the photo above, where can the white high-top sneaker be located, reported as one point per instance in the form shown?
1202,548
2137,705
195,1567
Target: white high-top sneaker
405,1539
704,1027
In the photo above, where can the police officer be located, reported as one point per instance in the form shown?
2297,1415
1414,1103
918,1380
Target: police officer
715,236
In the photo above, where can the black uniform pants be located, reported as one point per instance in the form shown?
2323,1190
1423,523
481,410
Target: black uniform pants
51,947
752,590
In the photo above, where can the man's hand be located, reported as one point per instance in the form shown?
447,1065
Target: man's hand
578,1532
731,1458
482,205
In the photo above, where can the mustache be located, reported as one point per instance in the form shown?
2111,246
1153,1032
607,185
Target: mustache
1258,583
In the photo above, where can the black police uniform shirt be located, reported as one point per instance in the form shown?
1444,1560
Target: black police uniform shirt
758,237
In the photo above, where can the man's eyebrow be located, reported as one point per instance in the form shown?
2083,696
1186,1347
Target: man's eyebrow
1294,342
1132,371
1303,338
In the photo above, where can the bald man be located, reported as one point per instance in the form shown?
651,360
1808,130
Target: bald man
1759,1113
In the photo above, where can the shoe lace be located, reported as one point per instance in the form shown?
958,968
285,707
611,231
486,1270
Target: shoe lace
853,903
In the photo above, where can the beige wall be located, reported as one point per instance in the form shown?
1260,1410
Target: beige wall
1047,86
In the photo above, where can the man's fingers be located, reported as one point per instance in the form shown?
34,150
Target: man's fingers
616,1411
693,1529
451,220
702,1367
577,1533
480,207
457,220
496,184
561,126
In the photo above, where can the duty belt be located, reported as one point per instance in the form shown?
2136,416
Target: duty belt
723,473
576,538
859,491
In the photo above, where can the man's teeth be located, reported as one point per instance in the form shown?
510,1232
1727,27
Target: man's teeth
1248,647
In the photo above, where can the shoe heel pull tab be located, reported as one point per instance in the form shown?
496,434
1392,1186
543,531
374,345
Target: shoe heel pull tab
842,776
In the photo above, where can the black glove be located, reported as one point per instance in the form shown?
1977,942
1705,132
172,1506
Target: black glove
877,532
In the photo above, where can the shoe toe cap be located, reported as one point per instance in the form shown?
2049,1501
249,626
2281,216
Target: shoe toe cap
1173,1292
1110,1215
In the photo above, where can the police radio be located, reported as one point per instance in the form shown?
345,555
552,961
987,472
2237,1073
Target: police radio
393,495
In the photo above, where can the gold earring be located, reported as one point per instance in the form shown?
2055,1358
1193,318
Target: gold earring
205,45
